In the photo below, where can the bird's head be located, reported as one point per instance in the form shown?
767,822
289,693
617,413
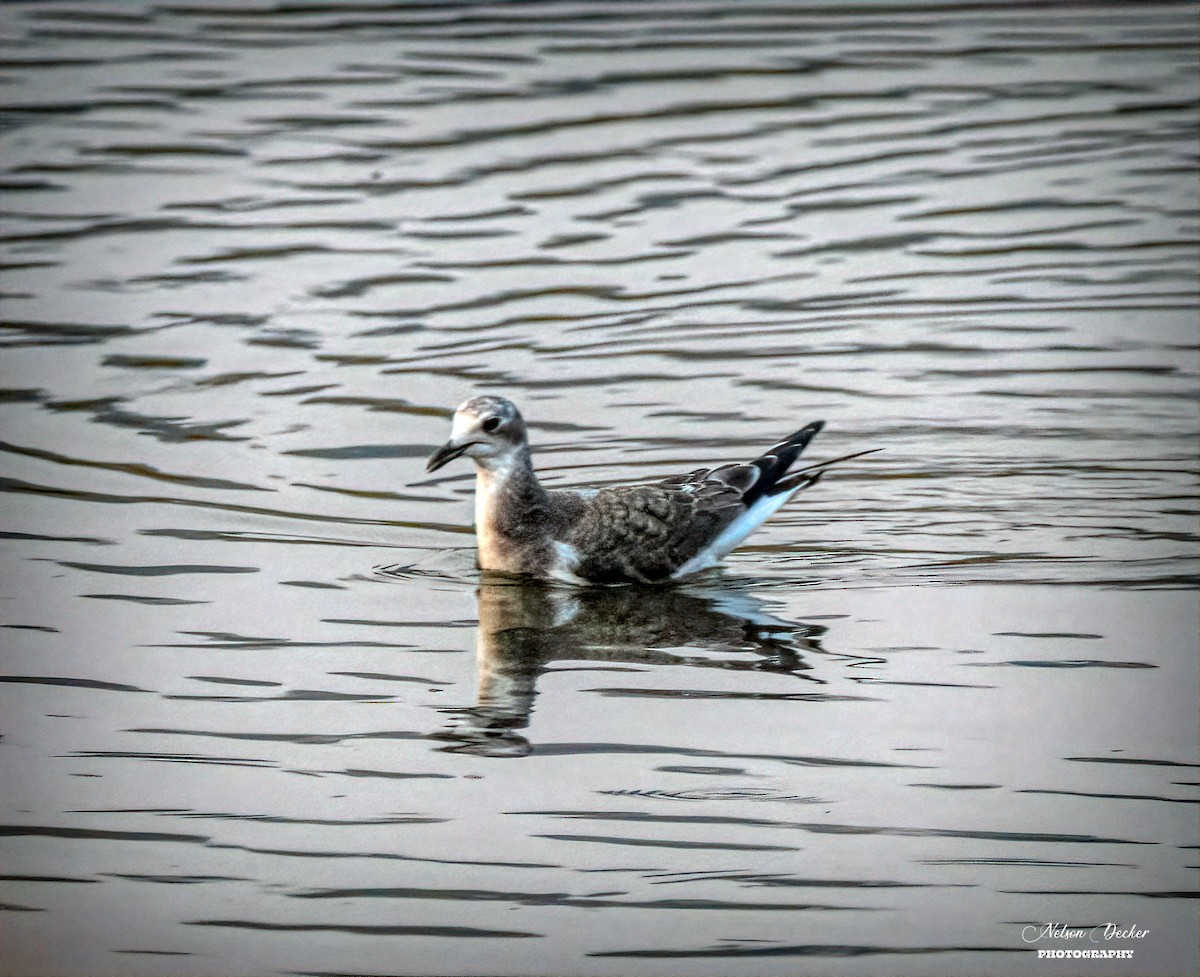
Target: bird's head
488,429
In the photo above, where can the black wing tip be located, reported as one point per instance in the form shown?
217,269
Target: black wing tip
806,433
794,443
797,482
808,476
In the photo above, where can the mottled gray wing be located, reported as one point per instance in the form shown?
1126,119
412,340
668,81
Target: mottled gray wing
646,532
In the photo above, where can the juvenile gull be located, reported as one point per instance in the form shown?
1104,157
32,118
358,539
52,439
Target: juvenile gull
645,533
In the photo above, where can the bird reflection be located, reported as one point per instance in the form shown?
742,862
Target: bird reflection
525,627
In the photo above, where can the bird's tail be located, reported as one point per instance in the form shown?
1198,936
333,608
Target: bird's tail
808,475
773,464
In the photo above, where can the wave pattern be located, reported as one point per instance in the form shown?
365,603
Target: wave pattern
255,253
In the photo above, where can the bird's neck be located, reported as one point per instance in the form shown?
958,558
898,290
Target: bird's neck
510,506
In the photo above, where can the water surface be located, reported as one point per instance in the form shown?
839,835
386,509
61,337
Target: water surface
261,714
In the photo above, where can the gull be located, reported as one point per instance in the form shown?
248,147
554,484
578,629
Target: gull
645,533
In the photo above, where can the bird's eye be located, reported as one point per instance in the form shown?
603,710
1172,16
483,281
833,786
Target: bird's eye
491,424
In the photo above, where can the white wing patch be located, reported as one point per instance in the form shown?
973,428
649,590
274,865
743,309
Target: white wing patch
564,562
733,534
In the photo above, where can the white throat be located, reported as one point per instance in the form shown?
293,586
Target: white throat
492,475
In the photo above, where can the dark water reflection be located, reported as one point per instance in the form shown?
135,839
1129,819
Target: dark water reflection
526,628
255,254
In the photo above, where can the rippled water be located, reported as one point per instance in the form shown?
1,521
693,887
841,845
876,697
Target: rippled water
260,712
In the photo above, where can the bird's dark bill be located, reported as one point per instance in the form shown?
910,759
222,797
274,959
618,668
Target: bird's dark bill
446,453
